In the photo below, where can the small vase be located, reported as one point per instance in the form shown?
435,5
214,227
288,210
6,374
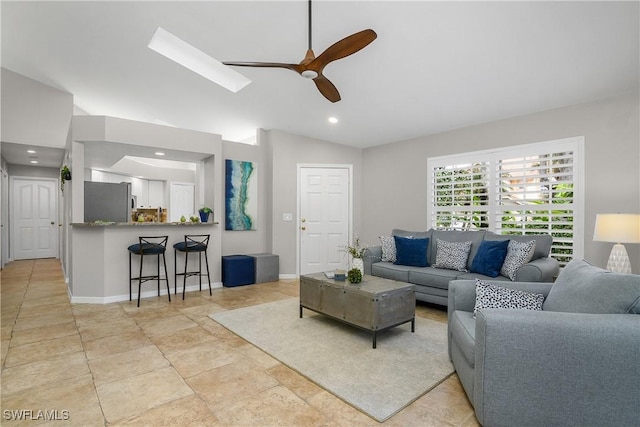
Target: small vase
358,263
204,216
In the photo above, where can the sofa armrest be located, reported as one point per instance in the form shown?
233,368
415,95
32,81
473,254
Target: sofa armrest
552,368
372,254
539,270
462,294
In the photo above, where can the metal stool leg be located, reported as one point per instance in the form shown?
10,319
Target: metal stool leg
130,295
140,278
206,261
175,272
164,261
184,278
158,272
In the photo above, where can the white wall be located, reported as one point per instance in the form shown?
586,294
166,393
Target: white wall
395,175
34,113
250,241
286,151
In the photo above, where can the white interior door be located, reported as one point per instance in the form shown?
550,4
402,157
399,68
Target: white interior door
181,201
35,233
325,205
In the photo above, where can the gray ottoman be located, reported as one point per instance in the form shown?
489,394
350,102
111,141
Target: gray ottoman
267,267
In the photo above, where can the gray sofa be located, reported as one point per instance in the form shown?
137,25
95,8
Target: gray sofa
432,284
575,363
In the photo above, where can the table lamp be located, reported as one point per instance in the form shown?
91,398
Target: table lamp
619,229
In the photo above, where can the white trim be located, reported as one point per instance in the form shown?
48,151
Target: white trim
299,168
288,276
134,296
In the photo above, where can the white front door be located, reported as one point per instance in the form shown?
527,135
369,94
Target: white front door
181,201
325,204
35,230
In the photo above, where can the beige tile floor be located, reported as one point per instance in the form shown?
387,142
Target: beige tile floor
166,363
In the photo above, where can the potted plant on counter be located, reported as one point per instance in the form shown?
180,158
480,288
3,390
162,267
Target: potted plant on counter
204,213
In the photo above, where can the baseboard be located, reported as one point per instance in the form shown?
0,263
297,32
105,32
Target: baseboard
134,297
287,276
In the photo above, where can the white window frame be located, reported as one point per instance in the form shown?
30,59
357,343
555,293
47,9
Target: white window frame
574,145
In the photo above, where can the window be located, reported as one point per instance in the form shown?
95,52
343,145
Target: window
529,189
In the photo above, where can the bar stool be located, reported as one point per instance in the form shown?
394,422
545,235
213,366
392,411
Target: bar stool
150,245
192,243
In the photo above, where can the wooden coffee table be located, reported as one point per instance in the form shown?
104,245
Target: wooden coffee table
375,304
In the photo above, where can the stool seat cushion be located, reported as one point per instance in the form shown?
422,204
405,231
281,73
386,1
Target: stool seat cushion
189,247
147,249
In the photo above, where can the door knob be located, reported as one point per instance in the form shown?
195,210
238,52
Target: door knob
51,222
303,228
303,220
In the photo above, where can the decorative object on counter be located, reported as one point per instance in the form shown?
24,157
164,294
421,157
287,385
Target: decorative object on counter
241,200
339,275
183,219
204,213
355,275
194,218
65,175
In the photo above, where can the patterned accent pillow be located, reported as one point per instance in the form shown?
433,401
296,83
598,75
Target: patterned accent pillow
518,254
494,296
388,248
452,255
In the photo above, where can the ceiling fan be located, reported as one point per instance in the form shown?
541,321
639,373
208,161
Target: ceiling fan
311,67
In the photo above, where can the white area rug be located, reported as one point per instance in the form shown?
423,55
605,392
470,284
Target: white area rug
339,358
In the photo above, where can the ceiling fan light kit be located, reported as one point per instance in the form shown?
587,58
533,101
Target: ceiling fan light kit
311,67
197,61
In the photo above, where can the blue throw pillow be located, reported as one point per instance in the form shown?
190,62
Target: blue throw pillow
490,257
411,252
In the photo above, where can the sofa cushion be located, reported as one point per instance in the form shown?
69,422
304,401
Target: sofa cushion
584,288
388,245
543,242
389,270
475,237
490,257
493,296
452,255
518,254
435,277
412,252
463,332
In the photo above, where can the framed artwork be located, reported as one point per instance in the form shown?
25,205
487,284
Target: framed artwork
241,195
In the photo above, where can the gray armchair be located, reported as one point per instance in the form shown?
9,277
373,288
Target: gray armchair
552,368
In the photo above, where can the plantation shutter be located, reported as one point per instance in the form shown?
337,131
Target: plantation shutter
529,189
461,196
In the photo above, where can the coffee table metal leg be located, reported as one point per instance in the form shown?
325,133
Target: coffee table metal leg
301,312
375,336
413,324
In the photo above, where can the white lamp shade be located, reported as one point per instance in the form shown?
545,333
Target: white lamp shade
617,228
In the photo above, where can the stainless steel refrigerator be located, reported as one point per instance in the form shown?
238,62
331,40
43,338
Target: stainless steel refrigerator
104,201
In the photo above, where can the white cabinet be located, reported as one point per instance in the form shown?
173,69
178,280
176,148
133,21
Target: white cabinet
156,193
140,189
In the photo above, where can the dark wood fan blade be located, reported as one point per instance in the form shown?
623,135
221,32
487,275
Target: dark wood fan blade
294,67
345,47
326,88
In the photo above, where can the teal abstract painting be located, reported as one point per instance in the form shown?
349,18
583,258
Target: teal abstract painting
241,201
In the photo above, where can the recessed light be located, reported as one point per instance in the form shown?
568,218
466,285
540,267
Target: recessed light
33,161
31,151
159,153
333,120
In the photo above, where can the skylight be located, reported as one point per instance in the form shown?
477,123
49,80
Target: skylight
197,61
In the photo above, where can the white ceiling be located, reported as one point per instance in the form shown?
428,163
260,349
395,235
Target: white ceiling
435,66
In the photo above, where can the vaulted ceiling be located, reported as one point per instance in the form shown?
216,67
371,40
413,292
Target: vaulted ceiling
435,66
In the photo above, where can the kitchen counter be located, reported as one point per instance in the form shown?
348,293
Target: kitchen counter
140,224
101,260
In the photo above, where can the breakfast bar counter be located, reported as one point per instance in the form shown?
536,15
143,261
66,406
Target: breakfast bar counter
100,261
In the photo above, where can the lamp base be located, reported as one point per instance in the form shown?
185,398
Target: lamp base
619,260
